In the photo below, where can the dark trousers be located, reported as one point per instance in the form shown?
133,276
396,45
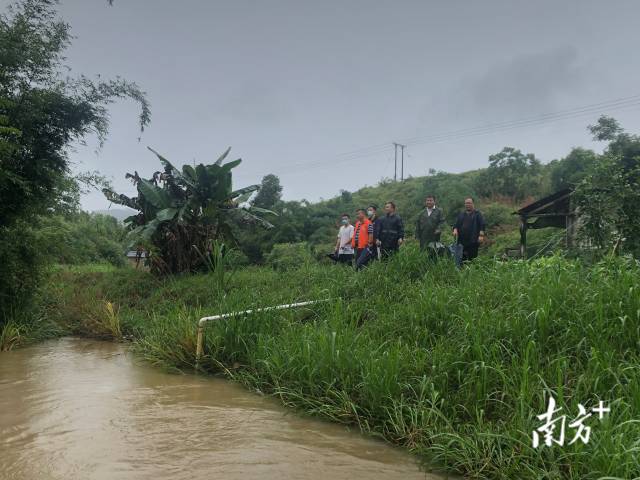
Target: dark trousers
386,252
469,252
346,258
365,257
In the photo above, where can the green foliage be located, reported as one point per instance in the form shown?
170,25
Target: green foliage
609,196
287,256
511,174
183,212
270,192
83,238
568,172
216,261
452,365
42,111
24,257
499,215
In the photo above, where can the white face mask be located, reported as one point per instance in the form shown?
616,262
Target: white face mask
344,221
370,213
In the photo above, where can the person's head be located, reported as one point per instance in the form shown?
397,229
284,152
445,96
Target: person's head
345,219
361,213
430,201
372,210
468,204
389,208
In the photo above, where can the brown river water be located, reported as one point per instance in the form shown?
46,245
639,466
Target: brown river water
82,409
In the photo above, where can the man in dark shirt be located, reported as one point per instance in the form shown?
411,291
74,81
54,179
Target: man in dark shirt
389,231
469,230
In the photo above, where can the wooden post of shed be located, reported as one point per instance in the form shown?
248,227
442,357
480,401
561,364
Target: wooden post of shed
523,237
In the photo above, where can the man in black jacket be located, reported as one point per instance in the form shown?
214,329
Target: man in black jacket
389,231
469,230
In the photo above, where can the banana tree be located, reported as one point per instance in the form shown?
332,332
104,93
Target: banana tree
182,212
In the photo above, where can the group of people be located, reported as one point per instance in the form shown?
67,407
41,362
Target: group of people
376,237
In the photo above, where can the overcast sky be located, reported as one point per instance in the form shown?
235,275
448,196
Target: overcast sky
293,85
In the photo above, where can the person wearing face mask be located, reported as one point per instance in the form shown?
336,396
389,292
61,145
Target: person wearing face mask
344,249
372,250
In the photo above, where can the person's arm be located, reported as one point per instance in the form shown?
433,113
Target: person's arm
482,226
400,231
440,222
338,242
377,227
457,226
370,234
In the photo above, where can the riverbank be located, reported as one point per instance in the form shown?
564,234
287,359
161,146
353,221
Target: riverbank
454,366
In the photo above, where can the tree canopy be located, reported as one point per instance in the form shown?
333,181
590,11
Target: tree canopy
43,111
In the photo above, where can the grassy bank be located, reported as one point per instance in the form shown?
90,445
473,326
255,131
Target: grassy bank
453,365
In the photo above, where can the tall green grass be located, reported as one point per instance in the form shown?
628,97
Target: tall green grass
454,365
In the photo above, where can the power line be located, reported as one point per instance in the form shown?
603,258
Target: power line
544,118
616,104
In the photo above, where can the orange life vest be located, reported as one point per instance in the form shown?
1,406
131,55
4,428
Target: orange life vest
362,232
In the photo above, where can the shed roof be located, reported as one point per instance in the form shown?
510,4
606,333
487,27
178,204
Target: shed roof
558,202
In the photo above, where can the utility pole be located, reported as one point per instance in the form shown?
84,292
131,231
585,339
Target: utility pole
395,165
395,161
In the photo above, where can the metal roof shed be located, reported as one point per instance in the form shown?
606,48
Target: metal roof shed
554,210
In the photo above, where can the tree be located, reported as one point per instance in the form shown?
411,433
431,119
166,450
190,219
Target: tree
42,111
270,192
512,174
606,129
569,171
182,212
609,196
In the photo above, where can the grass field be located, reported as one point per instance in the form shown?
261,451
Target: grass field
453,365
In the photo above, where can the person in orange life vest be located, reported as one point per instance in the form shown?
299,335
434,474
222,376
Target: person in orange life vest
360,239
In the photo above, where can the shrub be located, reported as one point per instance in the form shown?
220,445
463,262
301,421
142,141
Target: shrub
285,256
23,258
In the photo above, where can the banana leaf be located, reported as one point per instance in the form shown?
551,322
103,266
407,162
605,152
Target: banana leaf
156,196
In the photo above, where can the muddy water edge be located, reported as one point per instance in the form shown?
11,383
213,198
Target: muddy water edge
84,409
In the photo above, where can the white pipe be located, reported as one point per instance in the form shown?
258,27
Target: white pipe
204,320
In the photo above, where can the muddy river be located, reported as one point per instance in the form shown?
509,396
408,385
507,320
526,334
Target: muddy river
81,409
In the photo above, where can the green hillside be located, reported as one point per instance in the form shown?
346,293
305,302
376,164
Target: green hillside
511,180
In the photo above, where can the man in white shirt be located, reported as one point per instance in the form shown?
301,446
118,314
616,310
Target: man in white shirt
344,249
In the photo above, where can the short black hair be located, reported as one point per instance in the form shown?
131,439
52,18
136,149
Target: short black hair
345,215
468,198
361,210
391,203
374,206
430,196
